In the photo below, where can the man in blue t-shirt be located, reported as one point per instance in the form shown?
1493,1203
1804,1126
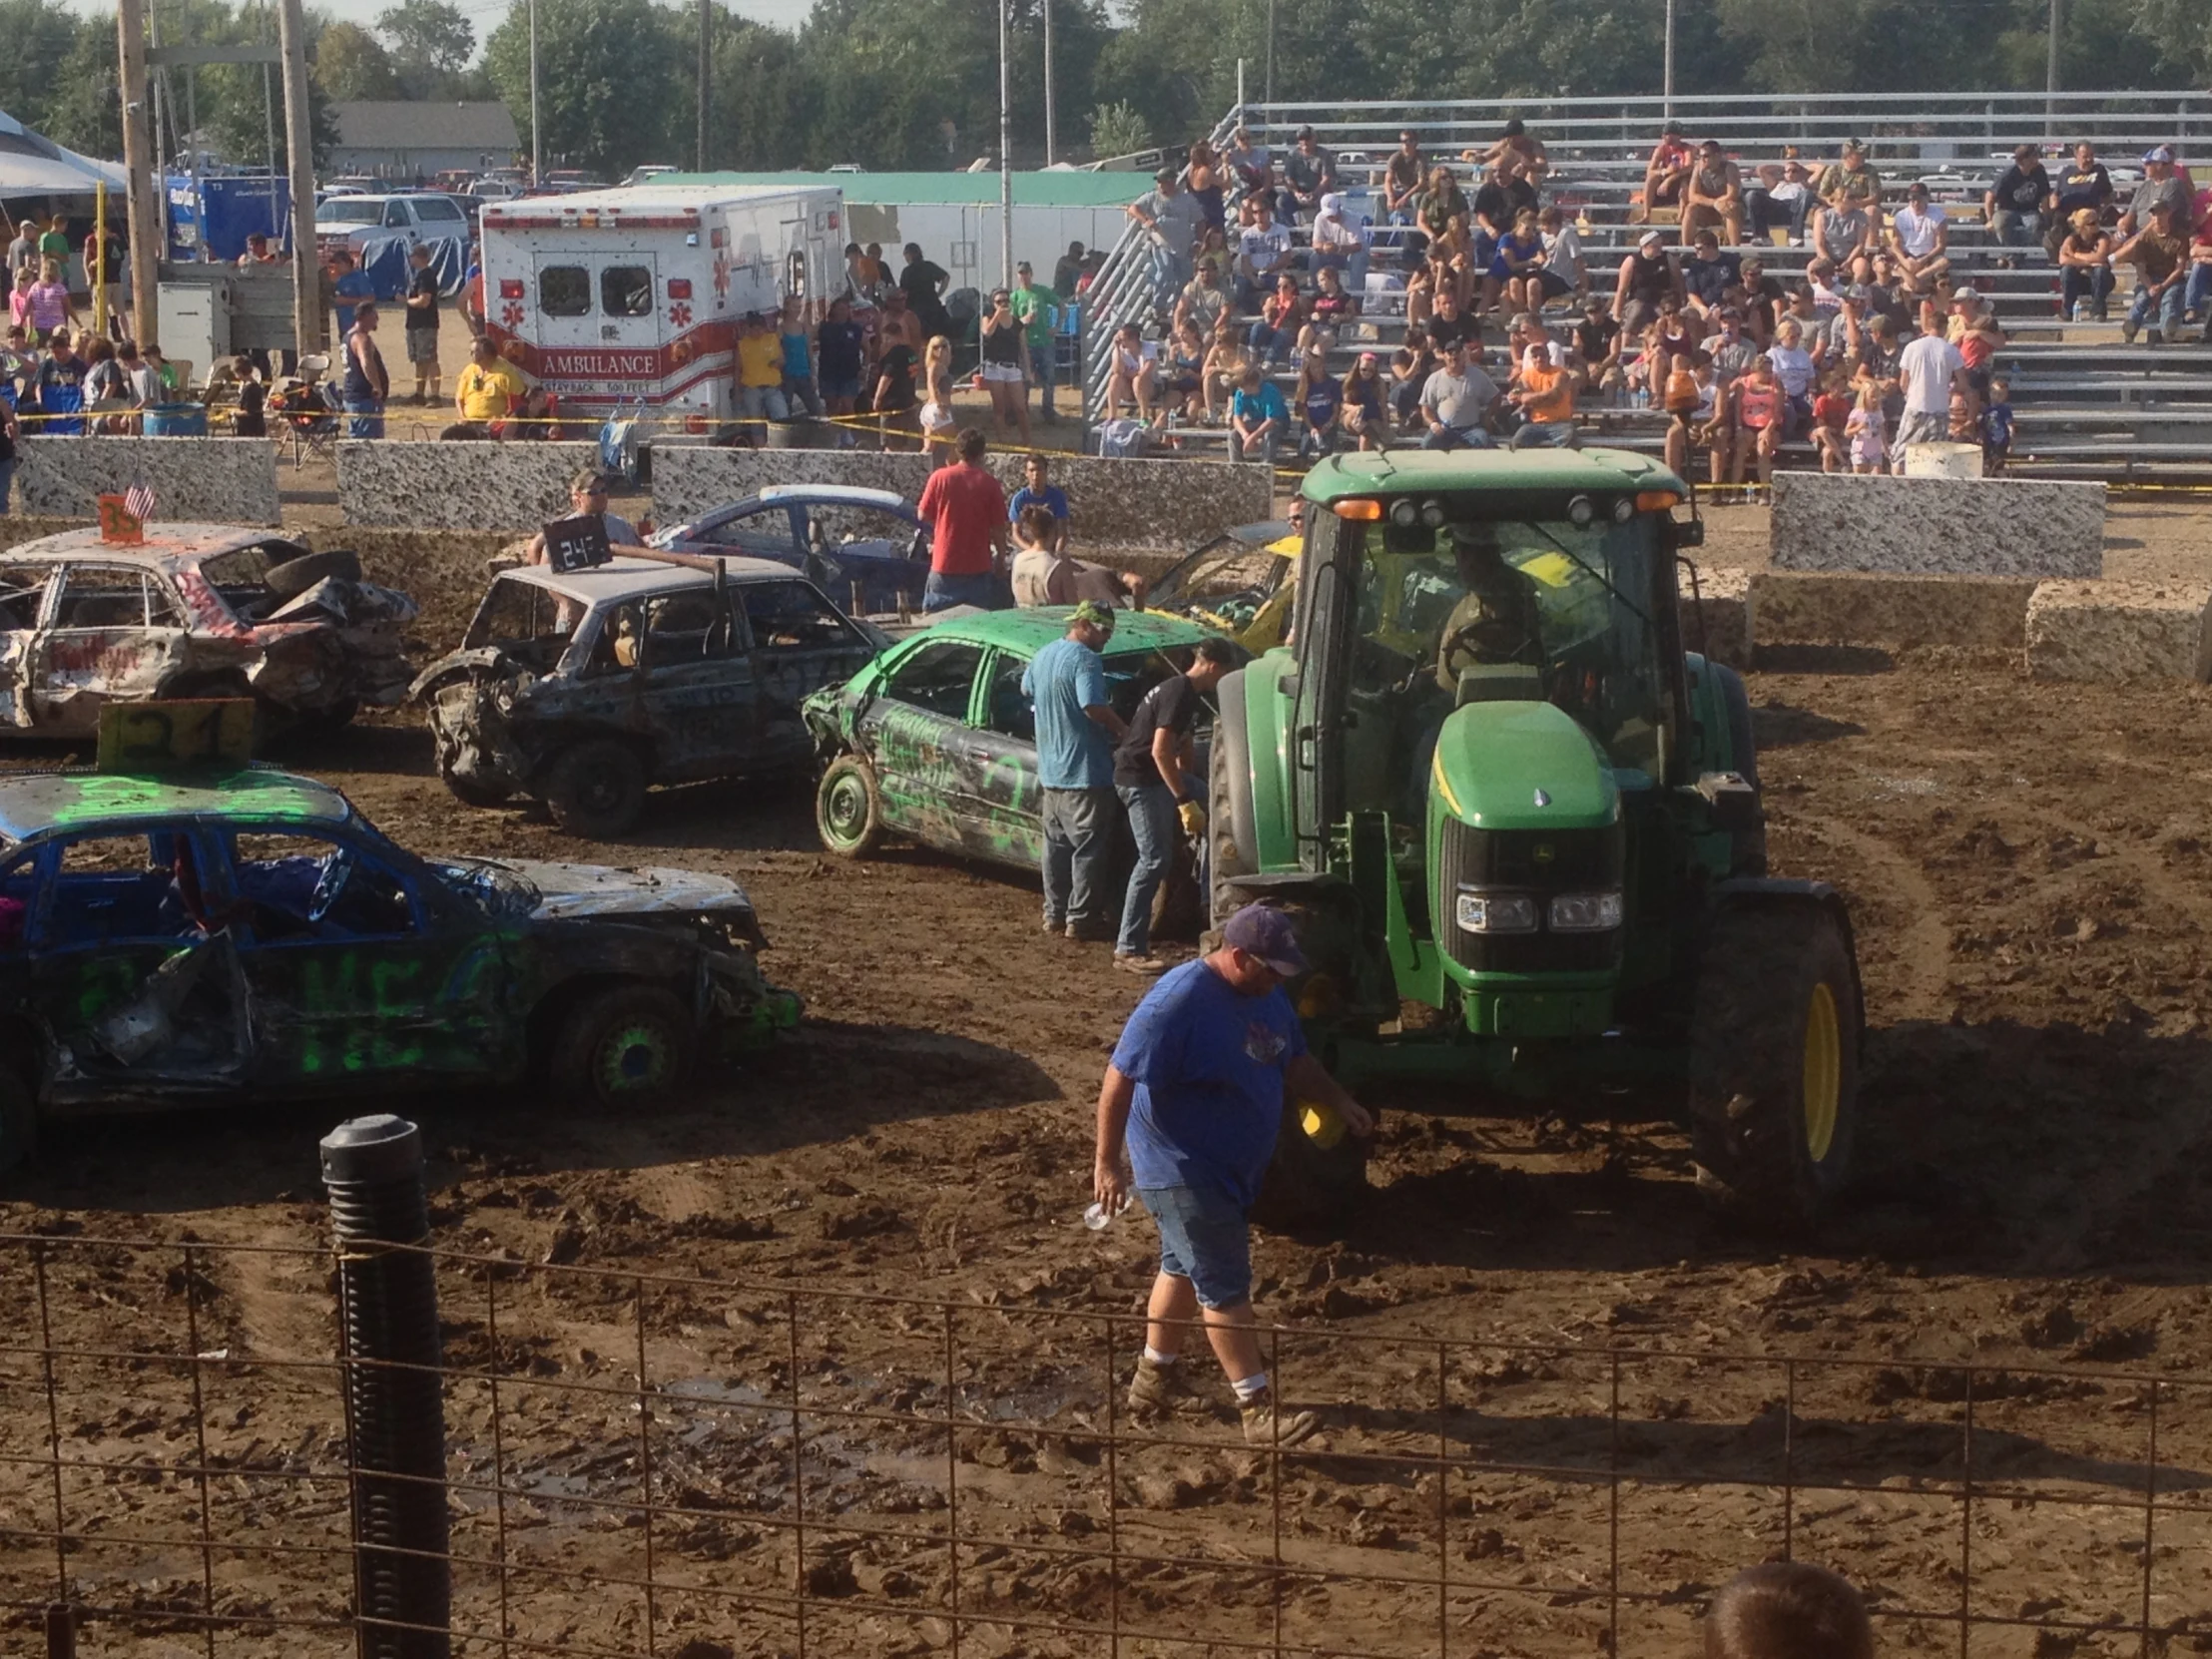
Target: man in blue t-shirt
350,285
1038,490
1196,1090
1076,733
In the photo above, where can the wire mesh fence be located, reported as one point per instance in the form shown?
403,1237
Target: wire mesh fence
645,1463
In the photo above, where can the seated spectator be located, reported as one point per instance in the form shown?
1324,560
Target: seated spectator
1782,198
2082,185
1263,254
1331,305
1130,370
537,421
2161,183
1321,403
1203,302
1665,175
1282,315
1227,357
1516,270
259,255
2197,297
1710,427
1504,198
1258,419
1404,177
1787,1610
1338,245
2084,269
1183,382
1215,255
1709,274
1412,364
1458,403
2161,260
1973,327
1544,393
1367,418
1308,174
1764,301
1860,183
1731,352
1843,228
1442,203
1647,274
1564,273
1712,195
1759,415
1919,240
1830,415
2016,206
1526,148
1251,167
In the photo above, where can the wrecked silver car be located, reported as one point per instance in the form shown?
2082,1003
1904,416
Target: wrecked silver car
215,938
583,687
194,611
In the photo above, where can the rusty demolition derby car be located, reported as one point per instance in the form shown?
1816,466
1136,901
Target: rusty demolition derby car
194,611
219,936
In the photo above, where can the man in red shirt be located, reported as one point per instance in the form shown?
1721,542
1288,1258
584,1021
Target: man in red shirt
967,513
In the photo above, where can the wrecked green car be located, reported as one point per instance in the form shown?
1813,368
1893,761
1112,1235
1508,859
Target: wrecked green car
166,940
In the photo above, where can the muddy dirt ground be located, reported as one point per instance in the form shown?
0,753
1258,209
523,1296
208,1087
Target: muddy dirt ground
2029,868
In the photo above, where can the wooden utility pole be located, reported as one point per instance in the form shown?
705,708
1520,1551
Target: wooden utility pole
142,207
306,280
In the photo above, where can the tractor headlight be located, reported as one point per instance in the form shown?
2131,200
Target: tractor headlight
1497,913
1586,913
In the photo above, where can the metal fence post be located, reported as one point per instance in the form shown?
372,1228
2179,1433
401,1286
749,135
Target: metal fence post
395,1406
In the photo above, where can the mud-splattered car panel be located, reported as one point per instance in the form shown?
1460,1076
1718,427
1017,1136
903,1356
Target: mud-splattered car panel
85,624
842,536
704,674
252,937
942,721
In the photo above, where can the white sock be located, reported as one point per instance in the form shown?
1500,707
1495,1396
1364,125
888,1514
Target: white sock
1154,1357
1249,1388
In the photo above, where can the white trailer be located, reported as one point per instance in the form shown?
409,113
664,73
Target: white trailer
613,298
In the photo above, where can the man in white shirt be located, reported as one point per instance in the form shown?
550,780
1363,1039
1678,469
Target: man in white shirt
1340,242
1455,401
1263,254
1927,370
1920,237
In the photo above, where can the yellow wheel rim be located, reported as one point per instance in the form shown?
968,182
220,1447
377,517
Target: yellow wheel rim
1321,1124
1823,1073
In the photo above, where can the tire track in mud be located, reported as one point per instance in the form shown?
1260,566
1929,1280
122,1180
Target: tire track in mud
1925,954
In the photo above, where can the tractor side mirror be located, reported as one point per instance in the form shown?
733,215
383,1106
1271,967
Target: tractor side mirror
1689,532
1730,798
1287,686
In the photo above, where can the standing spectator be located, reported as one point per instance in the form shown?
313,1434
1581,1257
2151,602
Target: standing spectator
1076,730
967,513
2016,206
1263,254
107,278
23,250
1665,174
1172,219
1156,777
1862,431
472,292
894,395
2084,184
1067,271
1253,167
1038,309
350,285
1787,1610
1038,490
1195,1093
2161,260
1458,402
258,255
19,299
488,390
1996,429
53,242
1403,175
924,283
1758,405
800,390
1005,350
60,386
586,498
1929,371
1647,275
863,282
11,433
939,422
1203,184
1714,195
1793,371
364,384
46,305
2161,183
1257,417
841,351
422,326
1920,239
143,379
759,370
1860,183
1308,174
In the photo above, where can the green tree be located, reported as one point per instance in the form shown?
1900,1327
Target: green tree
431,44
41,33
1118,130
83,112
351,64
765,100
609,79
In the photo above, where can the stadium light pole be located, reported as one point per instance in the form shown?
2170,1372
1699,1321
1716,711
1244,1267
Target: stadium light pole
1005,149
1051,127
1666,82
2050,78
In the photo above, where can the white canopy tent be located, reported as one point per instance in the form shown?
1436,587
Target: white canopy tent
33,165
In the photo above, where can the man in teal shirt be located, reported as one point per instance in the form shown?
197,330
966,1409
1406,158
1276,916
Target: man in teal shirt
1037,310
1077,728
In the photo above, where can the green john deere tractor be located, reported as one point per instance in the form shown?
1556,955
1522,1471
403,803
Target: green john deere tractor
1519,825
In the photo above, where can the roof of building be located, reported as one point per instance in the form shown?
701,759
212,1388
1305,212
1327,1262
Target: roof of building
37,802
1050,188
1392,473
405,123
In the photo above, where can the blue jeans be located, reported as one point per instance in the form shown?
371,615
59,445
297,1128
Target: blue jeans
2077,282
2018,229
941,593
1203,1238
364,417
1078,839
1155,824
1044,361
1452,437
2200,295
2161,310
1272,344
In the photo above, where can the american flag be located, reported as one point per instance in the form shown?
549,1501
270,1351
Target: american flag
138,501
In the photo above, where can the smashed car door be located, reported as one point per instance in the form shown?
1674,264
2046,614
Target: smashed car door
916,731
352,976
1010,804
22,604
701,694
116,635
799,644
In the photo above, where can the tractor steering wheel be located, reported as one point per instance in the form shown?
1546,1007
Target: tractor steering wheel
1463,637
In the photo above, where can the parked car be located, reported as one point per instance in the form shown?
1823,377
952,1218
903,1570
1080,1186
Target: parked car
582,689
354,220
839,534
197,611
933,742
193,939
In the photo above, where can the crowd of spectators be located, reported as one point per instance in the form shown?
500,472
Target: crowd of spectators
1878,339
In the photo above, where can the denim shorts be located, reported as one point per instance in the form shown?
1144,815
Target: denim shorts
1203,1238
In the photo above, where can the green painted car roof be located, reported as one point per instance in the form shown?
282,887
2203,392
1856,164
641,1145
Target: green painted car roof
1375,472
34,803
1030,631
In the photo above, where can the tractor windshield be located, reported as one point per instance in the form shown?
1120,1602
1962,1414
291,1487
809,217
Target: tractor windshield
1571,603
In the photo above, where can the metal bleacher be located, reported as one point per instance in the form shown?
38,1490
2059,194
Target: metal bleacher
2086,404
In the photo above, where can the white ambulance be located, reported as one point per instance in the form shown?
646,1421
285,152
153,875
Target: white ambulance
615,298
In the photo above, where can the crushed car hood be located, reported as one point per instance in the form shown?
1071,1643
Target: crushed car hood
578,892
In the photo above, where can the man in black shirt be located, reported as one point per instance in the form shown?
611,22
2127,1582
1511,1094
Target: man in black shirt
2015,206
1153,770
422,326
1503,195
840,357
2083,183
922,282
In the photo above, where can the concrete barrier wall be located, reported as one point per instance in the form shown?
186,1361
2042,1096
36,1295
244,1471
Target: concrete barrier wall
220,480
1899,612
1117,505
457,486
1937,526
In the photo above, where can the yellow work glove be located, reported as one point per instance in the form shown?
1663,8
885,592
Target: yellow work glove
1192,817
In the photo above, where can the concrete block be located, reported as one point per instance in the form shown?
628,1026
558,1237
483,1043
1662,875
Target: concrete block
1937,526
457,486
2120,631
1117,505
212,480
1715,615
1898,611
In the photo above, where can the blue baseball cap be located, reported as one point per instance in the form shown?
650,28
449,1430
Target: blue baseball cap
1265,933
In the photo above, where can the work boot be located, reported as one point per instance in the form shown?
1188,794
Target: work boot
1090,933
1262,1430
1139,961
1159,1386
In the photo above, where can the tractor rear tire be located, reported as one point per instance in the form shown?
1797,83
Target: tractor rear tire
597,789
1228,859
1774,1065
1320,1173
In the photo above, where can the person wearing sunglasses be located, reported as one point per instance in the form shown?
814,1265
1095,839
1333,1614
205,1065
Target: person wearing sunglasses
1005,365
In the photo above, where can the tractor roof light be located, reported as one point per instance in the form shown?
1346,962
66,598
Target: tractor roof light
1406,512
1433,513
1363,511
1625,509
1580,512
1655,501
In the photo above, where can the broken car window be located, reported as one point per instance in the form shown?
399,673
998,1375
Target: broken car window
301,889
1011,711
616,650
684,628
103,596
938,677
794,616
112,888
529,623
22,587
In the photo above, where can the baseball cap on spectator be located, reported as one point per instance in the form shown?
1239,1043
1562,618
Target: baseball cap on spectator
2163,153
1853,147
1367,358
1305,133
1515,128
1165,175
1265,933
1333,202
1094,614
1857,291
1963,291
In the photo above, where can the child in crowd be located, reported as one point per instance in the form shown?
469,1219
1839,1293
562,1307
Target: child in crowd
1681,399
1996,426
1831,414
1787,1610
1868,431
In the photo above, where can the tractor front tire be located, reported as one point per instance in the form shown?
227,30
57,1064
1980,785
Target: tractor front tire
1320,1174
1774,1064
